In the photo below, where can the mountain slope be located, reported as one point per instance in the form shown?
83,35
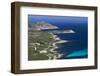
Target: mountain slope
42,25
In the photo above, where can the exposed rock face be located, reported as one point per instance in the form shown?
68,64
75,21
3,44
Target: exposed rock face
42,25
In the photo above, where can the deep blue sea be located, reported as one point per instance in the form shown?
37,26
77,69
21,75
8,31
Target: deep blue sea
77,47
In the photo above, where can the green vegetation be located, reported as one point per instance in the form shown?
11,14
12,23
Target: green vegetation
40,46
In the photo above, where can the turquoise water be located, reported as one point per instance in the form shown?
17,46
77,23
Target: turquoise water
78,53
77,47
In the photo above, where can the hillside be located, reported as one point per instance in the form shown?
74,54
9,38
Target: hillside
42,25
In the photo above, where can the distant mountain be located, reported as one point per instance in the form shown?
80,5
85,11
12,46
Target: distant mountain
42,26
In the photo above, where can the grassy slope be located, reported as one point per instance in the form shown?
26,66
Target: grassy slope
42,41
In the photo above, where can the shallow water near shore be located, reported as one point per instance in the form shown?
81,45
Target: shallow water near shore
77,45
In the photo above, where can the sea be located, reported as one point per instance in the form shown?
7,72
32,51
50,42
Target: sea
77,45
